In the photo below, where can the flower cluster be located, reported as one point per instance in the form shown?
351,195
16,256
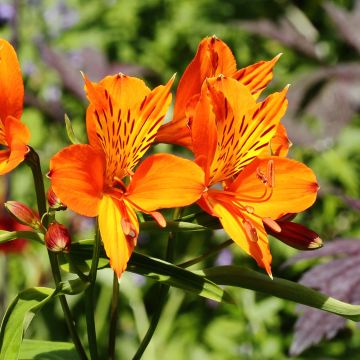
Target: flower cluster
240,173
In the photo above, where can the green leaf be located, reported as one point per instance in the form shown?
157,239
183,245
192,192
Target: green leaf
6,236
158,270
47,350
172,275
285,289
70,131
22,309
13,325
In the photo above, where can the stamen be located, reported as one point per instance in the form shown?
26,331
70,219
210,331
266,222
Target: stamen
269,177
273,225
159,218
250,230
270,173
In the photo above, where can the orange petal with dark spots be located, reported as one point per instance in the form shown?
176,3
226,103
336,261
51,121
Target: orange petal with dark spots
257,76
123,119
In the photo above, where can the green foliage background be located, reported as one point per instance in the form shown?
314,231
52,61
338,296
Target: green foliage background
154,39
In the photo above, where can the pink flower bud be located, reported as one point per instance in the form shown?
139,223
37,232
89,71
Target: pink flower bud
296,235
57,238
23,214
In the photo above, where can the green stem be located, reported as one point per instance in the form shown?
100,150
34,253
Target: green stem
32,159
89,298
208,253
113,317
163,291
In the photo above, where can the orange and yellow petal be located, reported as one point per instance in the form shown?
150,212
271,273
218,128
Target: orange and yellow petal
246,230
257,76
165,181
119,229
123,119
274,186
11,83
16,136
77,178
245,128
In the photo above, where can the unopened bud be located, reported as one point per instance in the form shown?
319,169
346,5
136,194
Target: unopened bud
23,214
57,238
53,199
296,235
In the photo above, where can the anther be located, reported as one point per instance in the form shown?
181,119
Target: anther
273,225
250,230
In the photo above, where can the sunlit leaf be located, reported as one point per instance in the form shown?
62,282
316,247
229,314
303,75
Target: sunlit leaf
23,308
172,275
285,289
49,350
160,271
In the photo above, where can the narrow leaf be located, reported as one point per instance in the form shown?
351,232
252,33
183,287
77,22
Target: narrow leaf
172,275
6,236
285,289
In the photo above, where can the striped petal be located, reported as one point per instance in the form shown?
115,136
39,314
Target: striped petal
274,186
165,181
119,229
77,178
123,119
11,83
244,127
257,76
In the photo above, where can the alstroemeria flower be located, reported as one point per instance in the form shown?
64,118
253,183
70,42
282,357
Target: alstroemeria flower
14,135
98,179
245,190
213,58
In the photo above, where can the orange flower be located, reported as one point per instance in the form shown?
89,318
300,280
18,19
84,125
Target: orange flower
14,135
213,58
99,180
230,132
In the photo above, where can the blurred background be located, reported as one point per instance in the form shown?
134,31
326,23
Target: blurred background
153,39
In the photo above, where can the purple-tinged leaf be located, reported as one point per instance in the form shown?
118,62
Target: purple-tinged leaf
339,278
348,24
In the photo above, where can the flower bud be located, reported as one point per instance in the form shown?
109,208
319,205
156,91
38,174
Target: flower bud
296,235
57,238
53,199
23,214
